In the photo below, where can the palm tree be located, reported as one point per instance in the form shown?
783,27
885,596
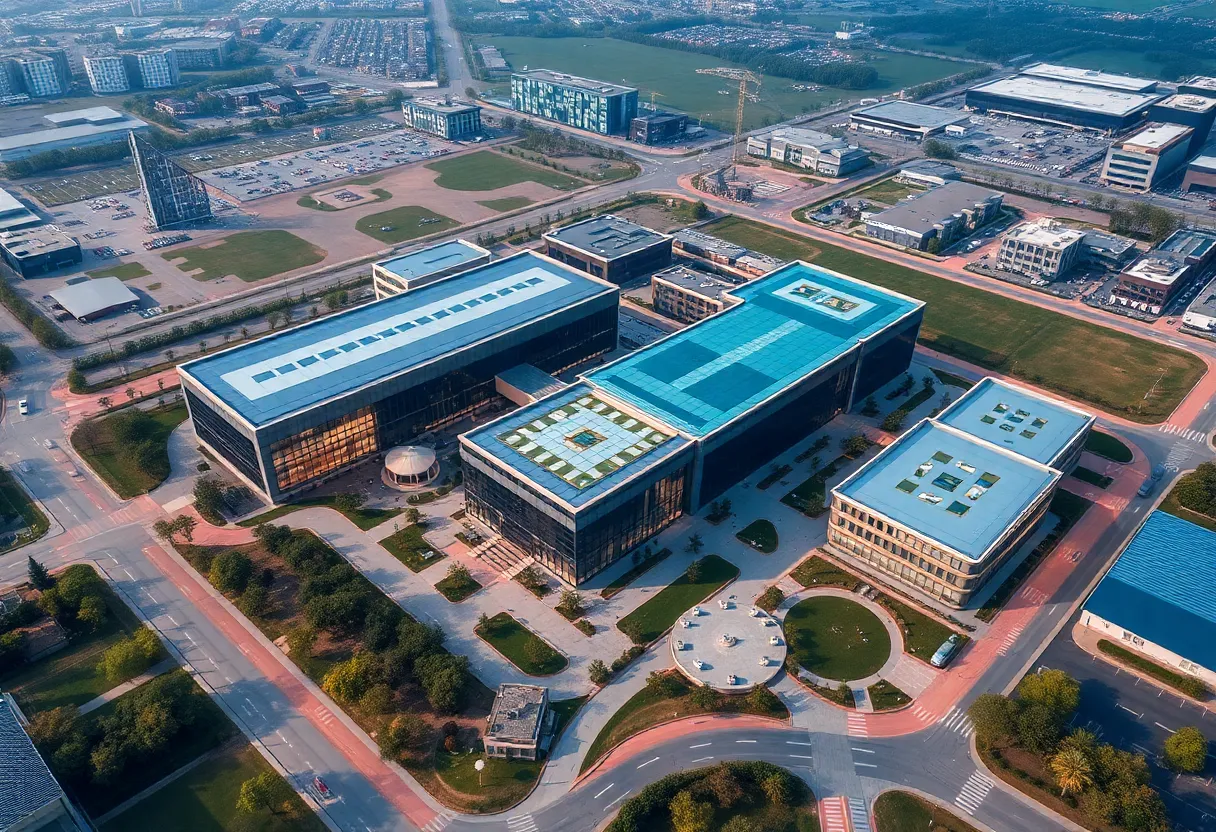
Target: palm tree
1072,769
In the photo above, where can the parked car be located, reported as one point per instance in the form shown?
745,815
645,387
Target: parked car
23,407
1149,485
947,651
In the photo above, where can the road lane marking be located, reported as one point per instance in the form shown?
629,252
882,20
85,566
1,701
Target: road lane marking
802,756
864,750
618,800
864,765
702,759
1130,711
601,793
744,740
702,745
793,742
1159,725
648,762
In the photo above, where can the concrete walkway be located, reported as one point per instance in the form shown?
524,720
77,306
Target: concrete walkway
126,687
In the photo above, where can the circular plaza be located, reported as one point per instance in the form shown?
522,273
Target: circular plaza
727,646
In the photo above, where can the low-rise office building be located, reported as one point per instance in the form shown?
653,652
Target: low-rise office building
581,478
1141,161
1201,314
75,128
687,294
520,723
1195,111
906,119
698,244
34,251
658,128
944,507
1044,249
609,247
446,119
936,219
1110,251
1157,601
32,798
424,266
576,102
1200,175
809,150
1158,277
287,411
928,172
14,214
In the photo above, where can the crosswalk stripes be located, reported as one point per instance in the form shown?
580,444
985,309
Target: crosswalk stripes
922,714
1034,596
857,726
832,813
1179,456
858,815
973,793
956,720
1009,640
439,822
521,823
1183,433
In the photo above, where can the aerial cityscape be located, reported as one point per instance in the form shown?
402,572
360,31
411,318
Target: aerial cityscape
588,416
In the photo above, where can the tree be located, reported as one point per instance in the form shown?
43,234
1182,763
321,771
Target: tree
444,678
458,573
413,516
1072,769
938,149
763,699
894,421
869,407
104,402
571,604
695,543
351,502
39,577
705,698
12,650
689,815
598,672
92,611
261,792
347,681
209,499
854,445
184,524
230,571
778,788
77,382
254,601
301,640
406,732
700,210
1186,750
125,660
1038,728
1055,690
724,786
664,684
1141,810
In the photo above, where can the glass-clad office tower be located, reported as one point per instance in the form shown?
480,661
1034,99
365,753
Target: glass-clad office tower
294,408
578,102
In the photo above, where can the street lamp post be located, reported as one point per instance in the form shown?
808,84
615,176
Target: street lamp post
480,766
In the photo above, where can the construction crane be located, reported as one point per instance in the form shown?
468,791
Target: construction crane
653,96
744,77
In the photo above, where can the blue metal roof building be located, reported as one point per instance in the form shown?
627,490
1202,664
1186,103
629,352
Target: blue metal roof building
1158,596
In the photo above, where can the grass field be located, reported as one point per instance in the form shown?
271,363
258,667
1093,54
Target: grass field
507,203
13,501
123,271
663,608
249,255
761,535
896,811
364,518
836,638
406,222
120,471
521,646
672,74
486,170
1035,345
1116,60
888,191
457,589
1105,445
408,546
204,800
885,696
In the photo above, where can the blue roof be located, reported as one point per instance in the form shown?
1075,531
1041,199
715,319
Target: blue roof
576,444
1018,419
1160,588
26,784
298,368
432,259
790,323
950,487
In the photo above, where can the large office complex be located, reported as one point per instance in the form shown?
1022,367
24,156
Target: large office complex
107,74
906,119
153,69
1157,598
293,408
74,128
577,102
44,72
1045,249
1200,175
580,478
446,119
34,251
172,194
419,268
14,214
1201,314
1149,284
204,53
1194,111
609,247
1140,161
937,218
1068,96
810,150
942,508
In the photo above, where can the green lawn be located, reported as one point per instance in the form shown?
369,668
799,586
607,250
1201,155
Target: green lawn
815,571
204,800
364,518
888,191
836,638
407,546
13,501
672,74
922,634
658,614
70,676
502,784
307,201
1110,447
507,203
405,222
810,495
1035,345
521,646
249,255
761,535
123,271
1091,477
896,811
120,471
456,590
486,170
884,696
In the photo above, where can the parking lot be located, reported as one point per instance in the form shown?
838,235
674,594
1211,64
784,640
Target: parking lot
1020,145
309,168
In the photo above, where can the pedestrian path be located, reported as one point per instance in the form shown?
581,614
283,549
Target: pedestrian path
833,811
858,816
973,793
857,725
957,720
117,691
1183,432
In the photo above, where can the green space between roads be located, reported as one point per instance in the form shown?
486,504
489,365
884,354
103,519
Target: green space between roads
896,811
405,222
1106,368
653,618
364,518
836,638
507,203
249,255
13,502
521,647
134,464
486,170
672,74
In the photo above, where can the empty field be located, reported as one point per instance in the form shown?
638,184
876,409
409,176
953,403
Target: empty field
249,255
406,222
507,203
486,170
1111,370
123,271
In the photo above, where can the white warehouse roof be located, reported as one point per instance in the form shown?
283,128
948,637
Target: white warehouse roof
92,297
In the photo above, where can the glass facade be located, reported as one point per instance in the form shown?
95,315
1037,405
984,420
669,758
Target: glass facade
323,449
226,440
886,361
574,103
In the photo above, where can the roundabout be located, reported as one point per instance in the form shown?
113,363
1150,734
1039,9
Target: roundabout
728,647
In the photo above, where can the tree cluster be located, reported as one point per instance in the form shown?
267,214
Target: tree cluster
44,332
1197,490
131,656
77,600
1143,219
134,435
1109,786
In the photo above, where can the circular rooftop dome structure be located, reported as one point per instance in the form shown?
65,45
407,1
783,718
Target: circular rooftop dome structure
728,647
410,466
